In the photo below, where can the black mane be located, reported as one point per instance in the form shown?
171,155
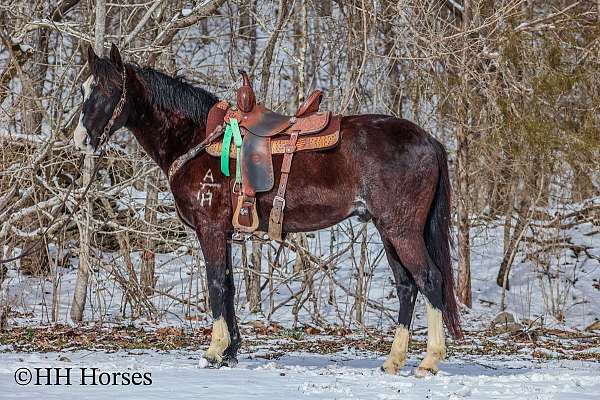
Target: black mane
175,94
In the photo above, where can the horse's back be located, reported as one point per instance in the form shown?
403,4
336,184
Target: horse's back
375,155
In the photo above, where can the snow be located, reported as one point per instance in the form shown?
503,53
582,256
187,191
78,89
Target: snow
303,376
179,275
510,370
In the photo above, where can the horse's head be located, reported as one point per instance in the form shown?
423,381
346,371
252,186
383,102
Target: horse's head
104,100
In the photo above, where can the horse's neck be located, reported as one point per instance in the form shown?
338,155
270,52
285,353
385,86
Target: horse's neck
164,135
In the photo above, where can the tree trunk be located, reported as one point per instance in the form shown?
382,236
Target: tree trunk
147,277
464,249
270,48
394,96
360,280
80,293
253,289
302,242
302,51
81,285
248,28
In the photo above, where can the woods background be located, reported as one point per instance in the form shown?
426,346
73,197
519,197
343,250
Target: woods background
510,87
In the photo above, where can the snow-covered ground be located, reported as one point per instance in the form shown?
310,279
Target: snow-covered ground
535,365
303,376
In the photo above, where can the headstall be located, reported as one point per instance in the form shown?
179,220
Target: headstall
116,112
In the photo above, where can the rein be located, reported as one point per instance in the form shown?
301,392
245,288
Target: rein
103,139
193,152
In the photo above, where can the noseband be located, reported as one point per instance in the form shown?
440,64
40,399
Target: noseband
116,112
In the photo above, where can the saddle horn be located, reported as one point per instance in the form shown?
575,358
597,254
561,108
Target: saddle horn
245,95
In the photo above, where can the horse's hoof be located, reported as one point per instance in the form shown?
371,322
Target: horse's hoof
390,369
208,362
393,365
230,362
425,372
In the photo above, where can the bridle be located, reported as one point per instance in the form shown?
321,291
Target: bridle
100,151
116,111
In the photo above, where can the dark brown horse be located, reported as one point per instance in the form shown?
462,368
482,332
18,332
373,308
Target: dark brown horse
386,169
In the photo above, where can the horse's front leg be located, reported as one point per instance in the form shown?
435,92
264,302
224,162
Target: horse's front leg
225,340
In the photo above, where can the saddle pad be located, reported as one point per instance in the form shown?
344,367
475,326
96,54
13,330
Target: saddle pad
305,143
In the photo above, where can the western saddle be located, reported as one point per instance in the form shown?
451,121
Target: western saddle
259,133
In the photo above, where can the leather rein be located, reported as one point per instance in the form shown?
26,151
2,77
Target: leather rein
193,152
103,139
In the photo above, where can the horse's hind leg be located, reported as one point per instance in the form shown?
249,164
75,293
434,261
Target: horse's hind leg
413,254
407,294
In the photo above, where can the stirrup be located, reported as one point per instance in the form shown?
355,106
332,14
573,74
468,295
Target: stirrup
245,216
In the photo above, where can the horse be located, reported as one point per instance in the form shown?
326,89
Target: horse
385,169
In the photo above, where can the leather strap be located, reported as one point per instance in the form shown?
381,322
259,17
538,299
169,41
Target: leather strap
276,217
193,152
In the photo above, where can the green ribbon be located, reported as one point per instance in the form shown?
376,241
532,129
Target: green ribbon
232,130
225,150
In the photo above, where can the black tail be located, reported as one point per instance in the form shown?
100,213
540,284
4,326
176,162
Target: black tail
439,241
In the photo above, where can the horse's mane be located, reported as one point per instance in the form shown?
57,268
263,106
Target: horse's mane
176,94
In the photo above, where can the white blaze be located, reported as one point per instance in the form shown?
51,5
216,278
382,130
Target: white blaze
80,134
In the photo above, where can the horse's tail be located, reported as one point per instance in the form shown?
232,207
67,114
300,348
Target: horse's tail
439,241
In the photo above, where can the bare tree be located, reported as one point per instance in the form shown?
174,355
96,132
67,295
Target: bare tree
462,139
84,224
509,87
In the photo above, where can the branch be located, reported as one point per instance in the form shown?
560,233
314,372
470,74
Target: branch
455,6
62,9
268,54
24,139
525,26
142,23
63,27
202,10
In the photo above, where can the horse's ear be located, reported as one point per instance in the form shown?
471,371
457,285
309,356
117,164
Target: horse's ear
115,56
91,58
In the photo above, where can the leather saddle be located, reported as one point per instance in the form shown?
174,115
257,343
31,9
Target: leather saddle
264,133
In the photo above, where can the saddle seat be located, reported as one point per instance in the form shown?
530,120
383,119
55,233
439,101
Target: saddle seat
264,133
264,122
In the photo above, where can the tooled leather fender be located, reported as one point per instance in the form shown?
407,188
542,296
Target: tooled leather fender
257,165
